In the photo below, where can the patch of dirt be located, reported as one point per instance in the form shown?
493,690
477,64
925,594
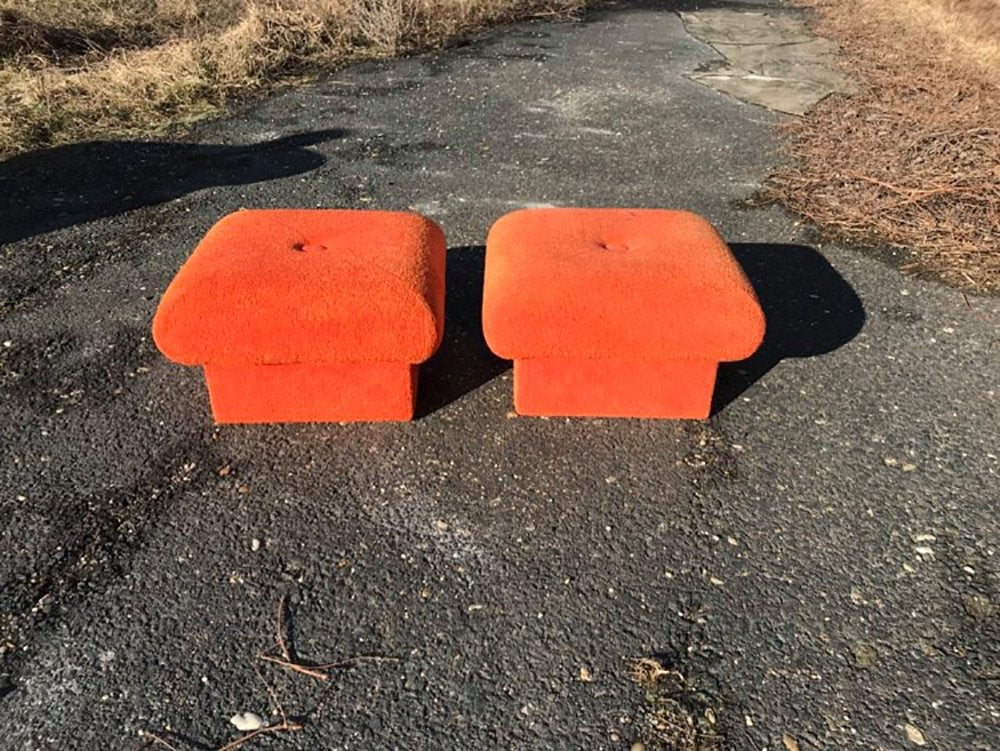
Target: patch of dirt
678,714
55,374
709,458
90,544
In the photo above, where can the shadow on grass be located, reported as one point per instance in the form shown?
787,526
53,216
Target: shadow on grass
810,308
54,188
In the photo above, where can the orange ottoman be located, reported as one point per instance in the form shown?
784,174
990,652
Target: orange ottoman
308,315
615,312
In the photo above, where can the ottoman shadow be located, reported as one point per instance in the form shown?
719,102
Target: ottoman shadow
810,309
463,362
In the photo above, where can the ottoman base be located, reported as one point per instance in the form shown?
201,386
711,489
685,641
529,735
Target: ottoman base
312,392
614,388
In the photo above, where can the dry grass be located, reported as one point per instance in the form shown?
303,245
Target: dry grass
914,158
72,70
678,716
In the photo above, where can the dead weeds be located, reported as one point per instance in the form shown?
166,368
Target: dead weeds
913,159
678,715
72,70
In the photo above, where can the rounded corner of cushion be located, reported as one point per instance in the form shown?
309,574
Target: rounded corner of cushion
750,337
692,216
760,333
424,329
429,351
499,339
438,239
512,217
233,217
425,220
169,342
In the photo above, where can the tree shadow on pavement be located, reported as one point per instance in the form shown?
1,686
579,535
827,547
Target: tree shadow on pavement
810,308
59,187
463,363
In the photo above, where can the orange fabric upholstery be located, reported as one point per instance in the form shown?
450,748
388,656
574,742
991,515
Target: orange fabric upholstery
615,311
266,290
322,392
614,388
286,286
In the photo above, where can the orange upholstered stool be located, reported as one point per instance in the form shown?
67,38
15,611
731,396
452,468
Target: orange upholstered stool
615,312
308,315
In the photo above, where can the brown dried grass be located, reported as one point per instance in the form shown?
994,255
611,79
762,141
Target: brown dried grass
73,70
913,159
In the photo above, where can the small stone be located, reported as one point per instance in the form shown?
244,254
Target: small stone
890,462
978,606
914,735
586,675
790,743
909,467
924,550
247,721
716,581
255,544
865,655
638,746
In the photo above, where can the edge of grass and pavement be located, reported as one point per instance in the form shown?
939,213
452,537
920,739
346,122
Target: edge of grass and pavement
81,69
912,159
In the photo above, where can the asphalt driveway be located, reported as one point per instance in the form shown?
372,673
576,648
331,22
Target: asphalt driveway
819,560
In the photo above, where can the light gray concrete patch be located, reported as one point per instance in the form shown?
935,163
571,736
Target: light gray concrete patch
771,58
791,96
737,25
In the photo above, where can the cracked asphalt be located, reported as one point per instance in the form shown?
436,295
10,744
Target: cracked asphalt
819,559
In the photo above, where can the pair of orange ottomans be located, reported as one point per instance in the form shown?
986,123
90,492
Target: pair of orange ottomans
325,315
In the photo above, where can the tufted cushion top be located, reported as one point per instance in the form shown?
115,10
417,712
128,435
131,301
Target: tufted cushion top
625,284
307,286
